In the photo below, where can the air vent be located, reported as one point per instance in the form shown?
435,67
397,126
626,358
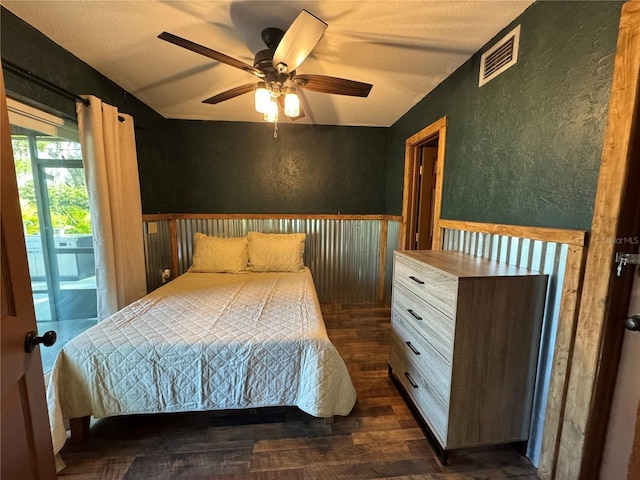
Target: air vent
500,57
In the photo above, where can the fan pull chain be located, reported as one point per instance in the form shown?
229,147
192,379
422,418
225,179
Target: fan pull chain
275,129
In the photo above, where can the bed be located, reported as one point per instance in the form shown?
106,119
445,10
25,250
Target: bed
206,341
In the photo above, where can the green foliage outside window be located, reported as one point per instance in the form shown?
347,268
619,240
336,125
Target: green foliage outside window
67,190
69,208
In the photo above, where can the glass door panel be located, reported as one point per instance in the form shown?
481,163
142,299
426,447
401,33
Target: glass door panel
32,232
57,226
71,242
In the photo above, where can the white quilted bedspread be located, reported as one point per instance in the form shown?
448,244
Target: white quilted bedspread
205,341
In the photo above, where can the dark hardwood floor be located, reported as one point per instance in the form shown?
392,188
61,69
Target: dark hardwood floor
378,440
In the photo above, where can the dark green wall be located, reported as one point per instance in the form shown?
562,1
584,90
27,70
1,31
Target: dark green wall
235,167
524,148
26,47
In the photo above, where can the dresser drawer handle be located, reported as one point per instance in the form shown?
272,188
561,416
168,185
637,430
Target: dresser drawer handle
412,348
414,314
413,384
417,280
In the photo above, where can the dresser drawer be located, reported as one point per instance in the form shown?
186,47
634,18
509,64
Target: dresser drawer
432,408
435,369
434,326
427,283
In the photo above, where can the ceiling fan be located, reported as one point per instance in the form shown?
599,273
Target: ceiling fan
276,67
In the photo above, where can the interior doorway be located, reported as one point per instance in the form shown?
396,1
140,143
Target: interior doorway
426,190
422,196
624,421
623,428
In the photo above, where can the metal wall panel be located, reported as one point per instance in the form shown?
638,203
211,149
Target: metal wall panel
545,257
157,252
393,237
343,255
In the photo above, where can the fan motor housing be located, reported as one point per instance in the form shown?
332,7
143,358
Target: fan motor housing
263,60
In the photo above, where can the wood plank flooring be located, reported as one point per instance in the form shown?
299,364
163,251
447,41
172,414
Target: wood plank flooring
378,440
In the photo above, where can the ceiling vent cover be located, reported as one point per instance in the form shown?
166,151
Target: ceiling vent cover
500,57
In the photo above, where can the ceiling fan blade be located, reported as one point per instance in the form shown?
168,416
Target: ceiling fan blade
298,41
338,86
229,94
281,105
207,52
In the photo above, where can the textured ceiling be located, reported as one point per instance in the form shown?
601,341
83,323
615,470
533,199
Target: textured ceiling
404,48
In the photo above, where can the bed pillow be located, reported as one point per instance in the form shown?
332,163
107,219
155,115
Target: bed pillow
276,252
219,255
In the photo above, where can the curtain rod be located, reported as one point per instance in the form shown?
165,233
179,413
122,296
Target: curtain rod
52,87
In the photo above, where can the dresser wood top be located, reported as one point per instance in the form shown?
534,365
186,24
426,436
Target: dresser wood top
458,264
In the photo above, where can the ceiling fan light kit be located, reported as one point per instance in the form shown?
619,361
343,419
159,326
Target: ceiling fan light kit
271,112
291,103
262,97
276,67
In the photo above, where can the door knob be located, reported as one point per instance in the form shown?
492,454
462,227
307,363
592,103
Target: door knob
633,322
32,340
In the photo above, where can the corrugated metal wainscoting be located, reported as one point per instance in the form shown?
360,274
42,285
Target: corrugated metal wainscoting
545,257
343,255
157,252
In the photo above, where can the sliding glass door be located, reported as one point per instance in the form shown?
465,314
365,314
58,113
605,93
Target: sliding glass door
57,225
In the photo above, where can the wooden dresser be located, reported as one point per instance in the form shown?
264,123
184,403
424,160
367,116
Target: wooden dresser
465,333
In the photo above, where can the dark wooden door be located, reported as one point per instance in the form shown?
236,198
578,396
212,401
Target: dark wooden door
628,374
26,451
426,197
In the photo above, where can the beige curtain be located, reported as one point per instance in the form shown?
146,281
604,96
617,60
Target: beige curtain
111,168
